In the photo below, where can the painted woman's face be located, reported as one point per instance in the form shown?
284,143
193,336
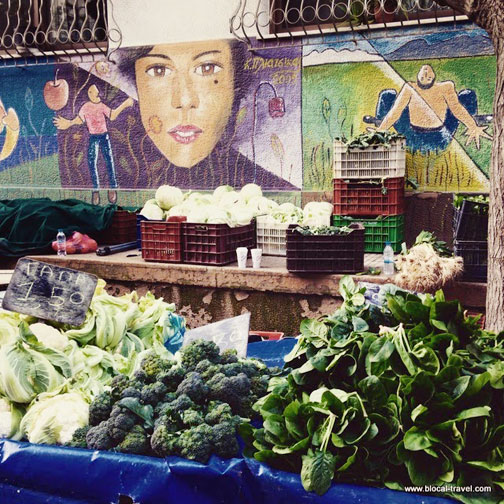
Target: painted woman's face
186,93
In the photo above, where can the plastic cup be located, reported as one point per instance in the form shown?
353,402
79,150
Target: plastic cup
256,258
241,256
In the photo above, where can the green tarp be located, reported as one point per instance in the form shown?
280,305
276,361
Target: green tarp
28,226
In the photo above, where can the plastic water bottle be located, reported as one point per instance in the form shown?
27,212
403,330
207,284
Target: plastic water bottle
388,260
61,242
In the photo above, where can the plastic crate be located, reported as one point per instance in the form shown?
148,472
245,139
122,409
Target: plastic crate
469,224
122,229
215,244
326,254
139,219
162,241
378,231
475,258
369,197
271,237
370,163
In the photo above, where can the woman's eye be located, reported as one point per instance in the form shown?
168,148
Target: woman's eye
208,69
158,71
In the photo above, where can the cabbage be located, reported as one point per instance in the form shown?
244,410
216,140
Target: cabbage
250,191
152,211
10,418
85,332
25,372
261,205
287,207
230,199
149,312
317,213
49,336
169,196
53,419
220,191
9,322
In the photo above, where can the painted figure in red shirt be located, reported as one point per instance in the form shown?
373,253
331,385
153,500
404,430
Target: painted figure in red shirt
94,115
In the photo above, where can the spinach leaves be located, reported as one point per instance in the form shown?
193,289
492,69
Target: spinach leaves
408,394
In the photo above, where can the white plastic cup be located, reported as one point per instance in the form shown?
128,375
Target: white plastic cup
256,258
241,256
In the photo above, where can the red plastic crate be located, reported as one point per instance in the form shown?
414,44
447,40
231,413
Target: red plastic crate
326,253
122,229
215,244
162,241
369,198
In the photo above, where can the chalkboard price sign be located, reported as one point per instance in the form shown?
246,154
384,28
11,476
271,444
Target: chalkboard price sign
50,292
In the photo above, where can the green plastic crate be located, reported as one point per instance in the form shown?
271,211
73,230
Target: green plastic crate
377,231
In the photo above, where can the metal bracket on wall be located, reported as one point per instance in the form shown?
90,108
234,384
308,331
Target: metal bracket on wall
40,32
265,24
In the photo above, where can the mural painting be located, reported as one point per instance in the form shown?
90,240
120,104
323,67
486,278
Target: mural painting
442,105
192,123
199,115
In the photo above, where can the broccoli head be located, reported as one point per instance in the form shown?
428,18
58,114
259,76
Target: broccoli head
196,443
173,377
229,356
163,441
194,387
207,369
79,438
224,440
121,421
192,418
118,384
175,409
218,412
97,437
153,365
141,376
135,441
233,389
131,392
197,351
153,393
167,398
100,408
259,385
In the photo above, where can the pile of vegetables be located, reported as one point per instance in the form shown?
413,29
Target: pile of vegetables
428,265
50,372
323,230
226,206
408,394
374,138
188,406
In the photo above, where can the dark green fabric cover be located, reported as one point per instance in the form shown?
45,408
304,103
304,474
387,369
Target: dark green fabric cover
28,226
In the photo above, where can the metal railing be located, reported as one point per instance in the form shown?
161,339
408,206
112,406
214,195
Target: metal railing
32,31
256,21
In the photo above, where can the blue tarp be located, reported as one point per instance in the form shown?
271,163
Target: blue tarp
36,474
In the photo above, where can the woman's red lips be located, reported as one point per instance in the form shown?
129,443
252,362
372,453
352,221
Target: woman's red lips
185,134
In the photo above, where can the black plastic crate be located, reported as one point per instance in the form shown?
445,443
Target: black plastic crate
475,255
326,253
470,222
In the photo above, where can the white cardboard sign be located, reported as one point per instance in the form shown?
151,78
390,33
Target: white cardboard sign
226,334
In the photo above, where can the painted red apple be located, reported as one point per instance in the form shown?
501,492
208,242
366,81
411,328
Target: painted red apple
56,93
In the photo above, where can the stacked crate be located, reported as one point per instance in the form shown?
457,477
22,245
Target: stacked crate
369,188
470,226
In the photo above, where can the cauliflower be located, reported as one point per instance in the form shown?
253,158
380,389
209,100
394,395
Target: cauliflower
49,336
